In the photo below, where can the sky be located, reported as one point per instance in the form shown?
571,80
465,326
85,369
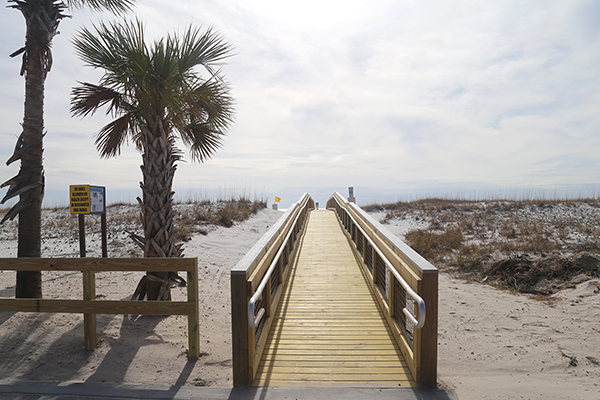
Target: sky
398,99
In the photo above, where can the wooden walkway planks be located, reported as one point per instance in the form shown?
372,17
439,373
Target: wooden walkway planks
328,328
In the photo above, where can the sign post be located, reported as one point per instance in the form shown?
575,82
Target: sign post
86,199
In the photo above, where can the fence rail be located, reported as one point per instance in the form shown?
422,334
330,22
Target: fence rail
89,306
256,283
401,279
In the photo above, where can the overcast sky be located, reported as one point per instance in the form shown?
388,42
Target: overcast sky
395,98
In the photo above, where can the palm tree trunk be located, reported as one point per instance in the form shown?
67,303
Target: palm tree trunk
158,171
29,283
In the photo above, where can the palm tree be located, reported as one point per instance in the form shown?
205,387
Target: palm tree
157,94
42,18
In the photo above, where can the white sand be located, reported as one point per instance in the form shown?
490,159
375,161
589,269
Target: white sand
492,344
131,349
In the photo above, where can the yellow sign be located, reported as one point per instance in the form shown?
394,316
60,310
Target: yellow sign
86,199
80,199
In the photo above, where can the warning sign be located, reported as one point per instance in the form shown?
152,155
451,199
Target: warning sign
86,199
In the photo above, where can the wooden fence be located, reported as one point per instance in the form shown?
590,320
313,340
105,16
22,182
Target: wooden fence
419,346
89,306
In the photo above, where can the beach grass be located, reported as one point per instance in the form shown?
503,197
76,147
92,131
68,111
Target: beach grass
189,218
525,245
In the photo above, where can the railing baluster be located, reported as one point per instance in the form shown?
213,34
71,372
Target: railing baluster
369,257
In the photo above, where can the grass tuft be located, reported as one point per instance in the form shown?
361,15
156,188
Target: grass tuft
202,215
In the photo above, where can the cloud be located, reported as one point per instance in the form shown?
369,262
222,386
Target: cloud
389,97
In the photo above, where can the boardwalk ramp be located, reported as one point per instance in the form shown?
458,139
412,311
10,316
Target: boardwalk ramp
328,298
329,328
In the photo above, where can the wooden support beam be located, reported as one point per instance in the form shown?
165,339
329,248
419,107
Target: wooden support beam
194,318
98,306
154,264
89,320
239,330
429,332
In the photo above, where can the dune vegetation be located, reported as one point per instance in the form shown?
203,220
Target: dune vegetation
534,246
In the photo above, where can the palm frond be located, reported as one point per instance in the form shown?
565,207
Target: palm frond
202,141
88,98
212,97
201,48
114,6
116,47
112,136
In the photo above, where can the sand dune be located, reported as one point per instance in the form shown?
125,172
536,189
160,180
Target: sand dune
492,343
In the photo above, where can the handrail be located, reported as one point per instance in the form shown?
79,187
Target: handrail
419,347
257,275
417,323
252,320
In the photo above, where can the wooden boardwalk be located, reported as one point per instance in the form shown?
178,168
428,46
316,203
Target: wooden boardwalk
328,328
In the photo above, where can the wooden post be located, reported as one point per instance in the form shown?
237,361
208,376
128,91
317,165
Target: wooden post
89,320
374,265
363,253
391,293
429,334
266,295
82,235
240,331
193,320
104,235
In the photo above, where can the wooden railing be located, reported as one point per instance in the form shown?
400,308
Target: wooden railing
378,252
89,306
265,267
